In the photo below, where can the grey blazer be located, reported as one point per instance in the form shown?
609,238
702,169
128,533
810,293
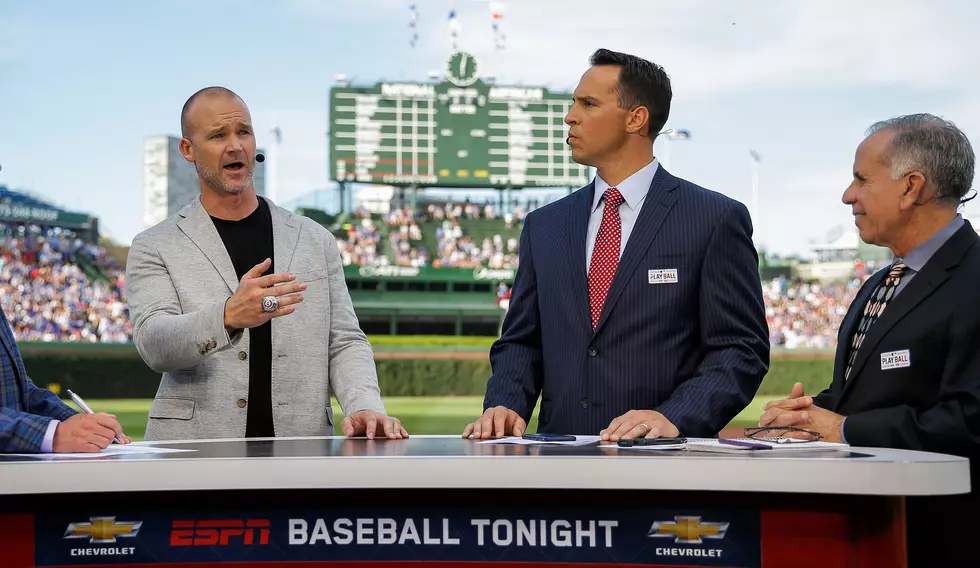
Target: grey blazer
178,277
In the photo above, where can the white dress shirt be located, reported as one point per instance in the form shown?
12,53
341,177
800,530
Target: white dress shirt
47,445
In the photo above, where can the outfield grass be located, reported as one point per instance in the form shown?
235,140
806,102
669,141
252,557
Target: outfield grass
419,415
430,341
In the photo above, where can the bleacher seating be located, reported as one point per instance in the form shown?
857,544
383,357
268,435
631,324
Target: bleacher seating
799,314
808,315
47,296
55,287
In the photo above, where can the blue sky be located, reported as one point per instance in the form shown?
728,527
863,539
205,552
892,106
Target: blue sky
81,84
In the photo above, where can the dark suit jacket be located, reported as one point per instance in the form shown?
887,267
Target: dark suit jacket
25,410
695,350
934,403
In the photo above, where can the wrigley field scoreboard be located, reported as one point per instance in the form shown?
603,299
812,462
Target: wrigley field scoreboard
461,132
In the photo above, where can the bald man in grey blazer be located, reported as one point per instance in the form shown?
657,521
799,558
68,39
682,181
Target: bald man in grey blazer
246,350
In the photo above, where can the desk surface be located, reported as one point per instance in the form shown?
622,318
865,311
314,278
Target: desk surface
435,462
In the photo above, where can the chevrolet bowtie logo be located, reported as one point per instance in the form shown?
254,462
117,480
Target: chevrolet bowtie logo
103,530
687,530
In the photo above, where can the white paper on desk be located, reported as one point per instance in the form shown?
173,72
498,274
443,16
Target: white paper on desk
775,445
518,441
646,448
111,451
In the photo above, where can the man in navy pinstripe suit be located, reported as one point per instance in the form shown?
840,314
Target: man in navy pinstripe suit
637,309
34,420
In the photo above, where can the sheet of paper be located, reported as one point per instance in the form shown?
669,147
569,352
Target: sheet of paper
783,442
680,446
579,441
660,447
111,451
712,444
776,445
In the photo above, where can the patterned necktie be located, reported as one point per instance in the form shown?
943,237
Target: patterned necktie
605,253
873,309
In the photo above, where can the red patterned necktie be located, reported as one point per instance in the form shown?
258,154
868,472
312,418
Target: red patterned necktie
605,253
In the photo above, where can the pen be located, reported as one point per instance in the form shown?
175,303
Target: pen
85,408
752,445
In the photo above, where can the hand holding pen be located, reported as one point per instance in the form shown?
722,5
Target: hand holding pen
88,431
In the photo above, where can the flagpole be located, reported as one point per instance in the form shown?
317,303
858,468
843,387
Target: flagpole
453,28
413,24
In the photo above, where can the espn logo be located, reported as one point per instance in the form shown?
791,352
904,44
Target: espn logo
218,532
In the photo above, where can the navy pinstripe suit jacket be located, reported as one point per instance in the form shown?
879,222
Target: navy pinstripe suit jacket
695,350
25,410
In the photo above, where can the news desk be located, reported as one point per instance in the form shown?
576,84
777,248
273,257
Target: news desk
409,503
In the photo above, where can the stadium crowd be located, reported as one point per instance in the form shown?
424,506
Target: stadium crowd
360,243
806,314
46,295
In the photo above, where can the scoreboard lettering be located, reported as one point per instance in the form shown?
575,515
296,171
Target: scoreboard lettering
458,133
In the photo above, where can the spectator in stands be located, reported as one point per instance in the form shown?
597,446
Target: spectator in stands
403,237
503,296
908,371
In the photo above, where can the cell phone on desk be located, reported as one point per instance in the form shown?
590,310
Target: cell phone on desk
651,442
549,437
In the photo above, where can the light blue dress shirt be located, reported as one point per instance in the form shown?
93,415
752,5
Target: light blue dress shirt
634,190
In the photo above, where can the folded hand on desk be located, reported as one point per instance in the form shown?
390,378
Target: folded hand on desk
87,433
798,411
790,411
496,422
372,424
639,424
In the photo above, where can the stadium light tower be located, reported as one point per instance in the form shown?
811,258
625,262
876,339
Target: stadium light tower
756,159
670,136
273,182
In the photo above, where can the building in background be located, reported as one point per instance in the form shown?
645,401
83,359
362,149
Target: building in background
841,257
170,181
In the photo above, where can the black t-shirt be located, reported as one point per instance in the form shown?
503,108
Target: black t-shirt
249,242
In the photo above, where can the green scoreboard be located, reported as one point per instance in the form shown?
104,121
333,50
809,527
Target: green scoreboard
461,132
